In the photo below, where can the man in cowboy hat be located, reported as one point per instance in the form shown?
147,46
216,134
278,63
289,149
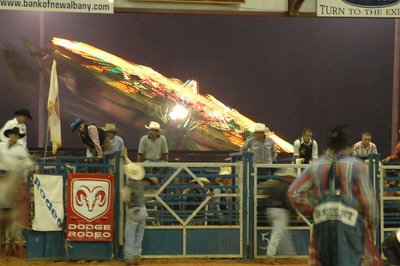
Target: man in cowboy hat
263,147
14,162
116,142
93,137
21,116
136,215
153,147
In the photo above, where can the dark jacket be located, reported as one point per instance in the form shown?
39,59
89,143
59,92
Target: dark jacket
276,192
137,196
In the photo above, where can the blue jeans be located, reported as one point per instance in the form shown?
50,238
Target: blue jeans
134,231
281,239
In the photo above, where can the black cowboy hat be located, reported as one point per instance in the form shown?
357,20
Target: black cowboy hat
23,112
14,130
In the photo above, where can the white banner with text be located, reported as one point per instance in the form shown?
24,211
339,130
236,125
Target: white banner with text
80,6
358,8
49,204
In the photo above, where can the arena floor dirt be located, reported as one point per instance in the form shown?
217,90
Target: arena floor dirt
12,261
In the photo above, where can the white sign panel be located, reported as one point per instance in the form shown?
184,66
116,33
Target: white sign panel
80,6
90,197
358,8
49,204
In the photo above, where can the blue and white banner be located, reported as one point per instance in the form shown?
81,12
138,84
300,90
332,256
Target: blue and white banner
49,207
80,6
358,8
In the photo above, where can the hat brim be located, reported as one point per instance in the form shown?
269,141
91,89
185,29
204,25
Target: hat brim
134,171
155,128
10,131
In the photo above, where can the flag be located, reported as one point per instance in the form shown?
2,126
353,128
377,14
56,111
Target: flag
53,107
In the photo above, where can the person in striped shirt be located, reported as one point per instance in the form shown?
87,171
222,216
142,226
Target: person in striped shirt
350,181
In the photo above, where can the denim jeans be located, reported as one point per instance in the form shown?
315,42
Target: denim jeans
281,240
134,231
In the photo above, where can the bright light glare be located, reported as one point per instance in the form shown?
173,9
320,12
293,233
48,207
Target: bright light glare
178,113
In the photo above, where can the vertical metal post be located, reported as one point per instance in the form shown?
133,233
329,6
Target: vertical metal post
42,89
395,101
246,173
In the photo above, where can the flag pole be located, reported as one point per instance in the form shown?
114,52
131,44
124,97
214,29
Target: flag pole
47,138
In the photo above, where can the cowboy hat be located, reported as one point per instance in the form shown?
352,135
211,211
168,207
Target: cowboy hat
23,112
153,125
259,127
14,130
110,128
202,179
134,171
153,180
76,123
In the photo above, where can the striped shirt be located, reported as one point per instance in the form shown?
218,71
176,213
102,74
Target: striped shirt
354,184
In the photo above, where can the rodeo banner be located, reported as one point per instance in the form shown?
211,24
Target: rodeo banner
90,207
359,8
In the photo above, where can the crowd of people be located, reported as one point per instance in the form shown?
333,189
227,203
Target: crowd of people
337,179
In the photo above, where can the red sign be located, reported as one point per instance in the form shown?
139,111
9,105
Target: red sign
90,207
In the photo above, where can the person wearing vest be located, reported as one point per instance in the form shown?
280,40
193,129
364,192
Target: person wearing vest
92,136
306,148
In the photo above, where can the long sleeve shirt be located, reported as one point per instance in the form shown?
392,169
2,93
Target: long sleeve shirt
94,136
354,183
396,155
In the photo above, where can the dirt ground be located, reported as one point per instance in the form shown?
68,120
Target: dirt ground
12,261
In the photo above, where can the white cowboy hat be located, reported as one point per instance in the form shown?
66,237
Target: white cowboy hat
153,125
134,171
259,127
110,128
204,180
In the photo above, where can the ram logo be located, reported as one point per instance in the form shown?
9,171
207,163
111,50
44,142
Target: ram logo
90,197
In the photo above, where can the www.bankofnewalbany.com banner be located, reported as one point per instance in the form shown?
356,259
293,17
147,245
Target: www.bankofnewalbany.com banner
80,6
359,8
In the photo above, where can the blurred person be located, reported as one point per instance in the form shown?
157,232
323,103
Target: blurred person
136,215
92,136
194,196
306,148
224,184
394,158
14,162
346,211
263,147
391,248
153,147
278,211
365,146
116,142
21,117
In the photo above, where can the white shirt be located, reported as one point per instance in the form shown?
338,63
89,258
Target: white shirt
14,158
297,143
10,124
